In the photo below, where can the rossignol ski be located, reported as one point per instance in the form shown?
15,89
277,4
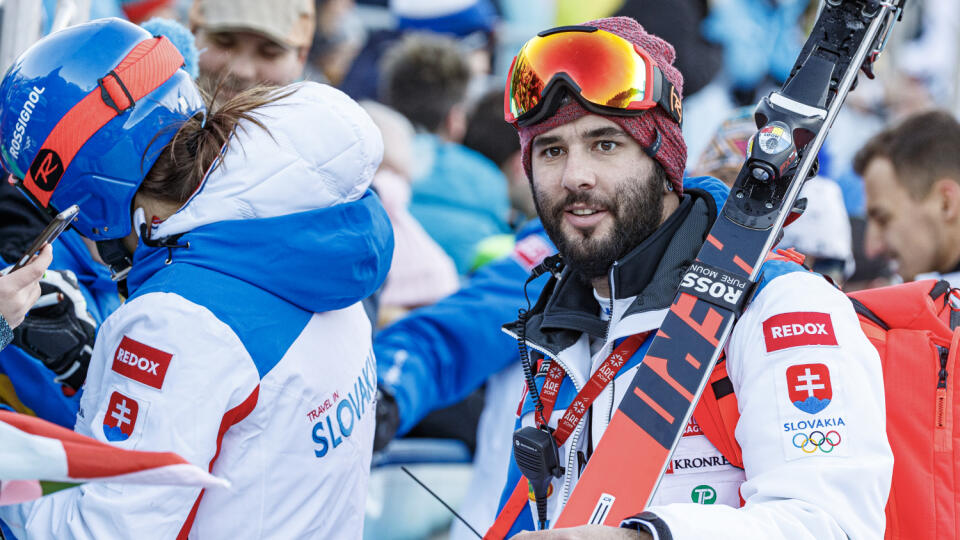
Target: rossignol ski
793,123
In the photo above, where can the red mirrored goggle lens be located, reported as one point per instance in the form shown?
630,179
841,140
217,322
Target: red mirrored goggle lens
607,68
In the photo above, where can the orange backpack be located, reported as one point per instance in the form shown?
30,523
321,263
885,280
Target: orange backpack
910,326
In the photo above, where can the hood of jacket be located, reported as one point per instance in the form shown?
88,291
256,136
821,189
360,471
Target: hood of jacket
650,272
288,210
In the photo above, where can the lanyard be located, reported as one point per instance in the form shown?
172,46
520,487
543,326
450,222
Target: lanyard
571,418
597,382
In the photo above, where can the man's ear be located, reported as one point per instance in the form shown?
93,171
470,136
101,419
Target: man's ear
947,191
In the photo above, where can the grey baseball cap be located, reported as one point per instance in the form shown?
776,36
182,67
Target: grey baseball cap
288,22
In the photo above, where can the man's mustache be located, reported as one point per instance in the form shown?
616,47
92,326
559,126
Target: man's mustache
584,198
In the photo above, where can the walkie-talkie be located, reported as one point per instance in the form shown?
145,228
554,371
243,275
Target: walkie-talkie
538,458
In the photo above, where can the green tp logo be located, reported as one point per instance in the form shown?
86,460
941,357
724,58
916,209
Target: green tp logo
704,495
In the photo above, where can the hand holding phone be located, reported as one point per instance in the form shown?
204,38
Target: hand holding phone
19,291
47,236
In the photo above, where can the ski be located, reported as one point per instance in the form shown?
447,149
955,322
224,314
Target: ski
793,123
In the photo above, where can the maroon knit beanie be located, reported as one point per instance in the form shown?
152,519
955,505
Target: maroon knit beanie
672,152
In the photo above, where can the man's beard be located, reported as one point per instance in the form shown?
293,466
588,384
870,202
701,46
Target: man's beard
636,213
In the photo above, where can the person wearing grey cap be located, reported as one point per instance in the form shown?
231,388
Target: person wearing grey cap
244,43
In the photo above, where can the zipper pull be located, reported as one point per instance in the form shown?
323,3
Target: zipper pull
942,375
942,388
943,434
941,407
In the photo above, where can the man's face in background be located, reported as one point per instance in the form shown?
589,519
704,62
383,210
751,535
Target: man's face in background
900,226
233,61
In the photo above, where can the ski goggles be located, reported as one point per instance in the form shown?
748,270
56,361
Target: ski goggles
610,75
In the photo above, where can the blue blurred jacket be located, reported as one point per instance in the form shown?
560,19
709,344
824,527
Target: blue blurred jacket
439,354
741,26
460,198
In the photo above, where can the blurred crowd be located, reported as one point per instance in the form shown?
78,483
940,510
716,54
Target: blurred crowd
431,74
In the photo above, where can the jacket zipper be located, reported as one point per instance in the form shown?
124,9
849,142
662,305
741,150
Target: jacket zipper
943,433
942,389
575,440
556,357
606,334
571,458
610,388
575,437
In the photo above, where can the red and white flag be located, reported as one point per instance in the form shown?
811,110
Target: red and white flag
38,458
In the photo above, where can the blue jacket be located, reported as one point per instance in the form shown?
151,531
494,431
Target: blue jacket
460,199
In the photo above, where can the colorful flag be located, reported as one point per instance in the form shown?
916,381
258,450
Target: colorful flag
38,458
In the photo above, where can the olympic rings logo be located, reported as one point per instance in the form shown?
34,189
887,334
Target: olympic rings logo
817,441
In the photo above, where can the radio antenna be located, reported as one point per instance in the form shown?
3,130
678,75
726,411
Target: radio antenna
437,497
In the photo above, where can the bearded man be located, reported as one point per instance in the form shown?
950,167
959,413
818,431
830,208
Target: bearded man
605,156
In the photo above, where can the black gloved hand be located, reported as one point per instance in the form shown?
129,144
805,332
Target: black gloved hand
388,419
60,334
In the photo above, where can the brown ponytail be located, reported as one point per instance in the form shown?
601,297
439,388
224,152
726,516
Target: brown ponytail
184,161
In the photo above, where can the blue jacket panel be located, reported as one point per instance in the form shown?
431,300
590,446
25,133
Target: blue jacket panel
289,256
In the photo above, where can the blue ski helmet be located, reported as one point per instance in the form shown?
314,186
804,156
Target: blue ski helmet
84,114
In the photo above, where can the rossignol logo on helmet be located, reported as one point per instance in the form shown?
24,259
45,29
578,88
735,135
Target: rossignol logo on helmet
23,119
46,169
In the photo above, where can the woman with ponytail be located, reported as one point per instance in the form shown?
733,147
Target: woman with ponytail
245,238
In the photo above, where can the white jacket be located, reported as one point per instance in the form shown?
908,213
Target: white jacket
249,354
789,493
799,364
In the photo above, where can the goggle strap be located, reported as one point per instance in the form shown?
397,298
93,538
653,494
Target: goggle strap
562,29
655,145
667,96
151,63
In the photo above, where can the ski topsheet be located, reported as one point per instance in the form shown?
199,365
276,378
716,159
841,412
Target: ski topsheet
625,469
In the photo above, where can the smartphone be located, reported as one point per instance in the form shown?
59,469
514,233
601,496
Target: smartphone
48,235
